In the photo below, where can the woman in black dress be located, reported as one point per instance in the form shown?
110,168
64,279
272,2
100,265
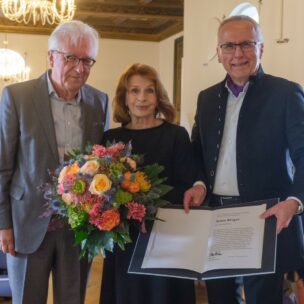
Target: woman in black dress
142,106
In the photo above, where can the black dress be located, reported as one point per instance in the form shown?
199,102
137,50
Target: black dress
168,145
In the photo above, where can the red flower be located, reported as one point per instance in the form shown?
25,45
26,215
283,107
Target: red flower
115,149
98,150
136,211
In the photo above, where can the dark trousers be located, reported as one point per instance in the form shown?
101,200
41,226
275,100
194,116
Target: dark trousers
29,273
261,289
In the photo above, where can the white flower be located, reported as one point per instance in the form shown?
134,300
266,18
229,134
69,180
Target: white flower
90,167
67,198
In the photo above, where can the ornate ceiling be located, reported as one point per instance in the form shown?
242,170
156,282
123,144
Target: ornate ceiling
149,20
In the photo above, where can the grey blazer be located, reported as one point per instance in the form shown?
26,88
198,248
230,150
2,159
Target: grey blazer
28,149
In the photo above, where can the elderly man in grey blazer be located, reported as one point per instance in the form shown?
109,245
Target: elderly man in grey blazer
41,120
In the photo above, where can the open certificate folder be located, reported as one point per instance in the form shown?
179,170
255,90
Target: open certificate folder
208,243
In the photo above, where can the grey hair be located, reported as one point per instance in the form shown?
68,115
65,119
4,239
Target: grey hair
244,18
73,31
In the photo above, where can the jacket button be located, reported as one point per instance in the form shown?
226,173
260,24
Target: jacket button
211,173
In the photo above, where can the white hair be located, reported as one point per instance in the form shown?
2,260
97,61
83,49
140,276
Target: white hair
244,18
73,31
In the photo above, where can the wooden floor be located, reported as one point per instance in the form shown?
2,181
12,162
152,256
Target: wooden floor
95,282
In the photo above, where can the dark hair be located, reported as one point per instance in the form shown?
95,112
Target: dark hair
164,108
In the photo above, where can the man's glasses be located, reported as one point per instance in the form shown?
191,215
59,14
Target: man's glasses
246,46
74,60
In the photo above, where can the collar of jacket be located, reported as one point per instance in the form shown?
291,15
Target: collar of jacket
252,79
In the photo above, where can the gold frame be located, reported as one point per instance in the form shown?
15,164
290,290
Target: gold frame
177,79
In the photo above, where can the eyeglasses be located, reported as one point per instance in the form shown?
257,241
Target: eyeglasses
74,60
246,46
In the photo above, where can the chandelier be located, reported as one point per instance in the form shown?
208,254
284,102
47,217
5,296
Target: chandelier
12,66
45,11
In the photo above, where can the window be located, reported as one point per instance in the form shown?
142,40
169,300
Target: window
246,9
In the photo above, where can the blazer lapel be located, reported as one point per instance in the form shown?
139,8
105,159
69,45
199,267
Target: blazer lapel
43,110
86,117
92,117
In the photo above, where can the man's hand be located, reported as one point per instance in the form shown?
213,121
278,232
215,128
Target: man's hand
7,241
283,211
194,197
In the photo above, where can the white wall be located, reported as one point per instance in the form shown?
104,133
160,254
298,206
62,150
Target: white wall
114,56
166,63
200,28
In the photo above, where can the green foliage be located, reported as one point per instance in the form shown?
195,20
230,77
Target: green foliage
92,213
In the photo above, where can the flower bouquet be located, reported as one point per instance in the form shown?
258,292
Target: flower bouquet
102,192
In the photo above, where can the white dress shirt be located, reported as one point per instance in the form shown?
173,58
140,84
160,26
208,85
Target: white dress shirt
226,172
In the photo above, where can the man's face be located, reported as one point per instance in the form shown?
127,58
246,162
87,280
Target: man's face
240,62
67,76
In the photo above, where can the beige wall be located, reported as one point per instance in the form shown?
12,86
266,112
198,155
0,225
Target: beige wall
114,57
200,26
166,62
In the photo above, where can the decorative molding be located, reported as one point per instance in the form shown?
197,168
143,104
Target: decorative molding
133,20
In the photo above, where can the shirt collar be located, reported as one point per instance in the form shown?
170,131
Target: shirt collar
236,92
53,93
233,87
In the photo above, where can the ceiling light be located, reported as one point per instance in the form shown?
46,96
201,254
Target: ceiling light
44,11
12,66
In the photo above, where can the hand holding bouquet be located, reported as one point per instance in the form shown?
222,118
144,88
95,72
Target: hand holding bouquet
102,192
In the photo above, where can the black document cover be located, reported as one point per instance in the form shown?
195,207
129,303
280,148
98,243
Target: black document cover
268,255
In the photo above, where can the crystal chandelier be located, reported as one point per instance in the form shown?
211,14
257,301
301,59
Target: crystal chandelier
45,11
12,66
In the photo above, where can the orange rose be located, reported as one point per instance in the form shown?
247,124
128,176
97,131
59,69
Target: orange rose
134,187
127,175
68,170
125,184
100,184
109,219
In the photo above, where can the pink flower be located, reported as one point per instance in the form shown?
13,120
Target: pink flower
60,188
98,150
136,211
115,149
95,212
89,202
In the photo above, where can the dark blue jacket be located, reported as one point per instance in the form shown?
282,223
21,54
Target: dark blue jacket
270,148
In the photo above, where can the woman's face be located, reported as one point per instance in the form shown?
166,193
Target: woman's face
141,98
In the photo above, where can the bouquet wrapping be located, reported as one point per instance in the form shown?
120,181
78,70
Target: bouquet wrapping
103,191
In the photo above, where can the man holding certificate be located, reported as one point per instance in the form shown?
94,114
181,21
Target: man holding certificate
248,138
